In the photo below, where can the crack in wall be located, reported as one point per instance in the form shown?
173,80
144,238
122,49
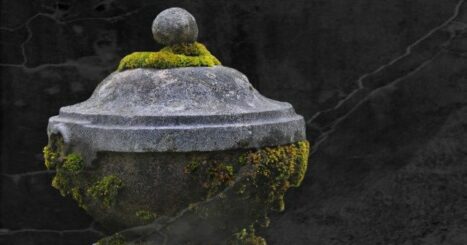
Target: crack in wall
17,177
360,82
55,17
90,229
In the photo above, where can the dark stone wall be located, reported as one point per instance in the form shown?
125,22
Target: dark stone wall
381,83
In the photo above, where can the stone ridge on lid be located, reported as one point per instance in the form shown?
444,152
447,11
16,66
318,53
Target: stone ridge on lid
188,91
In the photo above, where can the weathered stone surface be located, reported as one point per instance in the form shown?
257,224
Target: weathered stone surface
199,197
122,190
174,25
178,110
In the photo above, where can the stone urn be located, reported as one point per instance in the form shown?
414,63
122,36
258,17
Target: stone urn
174,148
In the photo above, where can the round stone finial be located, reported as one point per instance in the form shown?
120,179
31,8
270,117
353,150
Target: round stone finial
174,26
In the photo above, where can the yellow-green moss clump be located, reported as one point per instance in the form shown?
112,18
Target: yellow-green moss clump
68,167
178,55
260,178
71,180
106,190
73,163
50,157
277,169
53,152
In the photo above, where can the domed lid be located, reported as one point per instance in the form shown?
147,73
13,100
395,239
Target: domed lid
203,107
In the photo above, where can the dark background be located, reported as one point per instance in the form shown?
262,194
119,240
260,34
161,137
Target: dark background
381,83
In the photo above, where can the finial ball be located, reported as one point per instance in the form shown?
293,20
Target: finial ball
174,26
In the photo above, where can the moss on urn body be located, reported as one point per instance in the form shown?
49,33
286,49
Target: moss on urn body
130,189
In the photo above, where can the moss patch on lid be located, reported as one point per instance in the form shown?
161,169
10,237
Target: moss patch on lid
178,55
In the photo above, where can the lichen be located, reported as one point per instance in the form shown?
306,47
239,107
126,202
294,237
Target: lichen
106,190
178,55
145,215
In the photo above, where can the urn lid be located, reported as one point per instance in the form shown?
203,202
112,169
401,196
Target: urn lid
155,104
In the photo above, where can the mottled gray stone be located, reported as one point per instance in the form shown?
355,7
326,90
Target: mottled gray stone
174,25
177,110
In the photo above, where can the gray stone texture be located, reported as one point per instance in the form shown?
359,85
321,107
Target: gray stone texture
152,181
174,25
381,85
177,110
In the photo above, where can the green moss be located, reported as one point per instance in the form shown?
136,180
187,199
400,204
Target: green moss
273,170
61,183
146,215
301,156
78,197
50,157
115,239
268,173
53,152
179,55
67,168
68,178
106,190
73,163
278,169
187,49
